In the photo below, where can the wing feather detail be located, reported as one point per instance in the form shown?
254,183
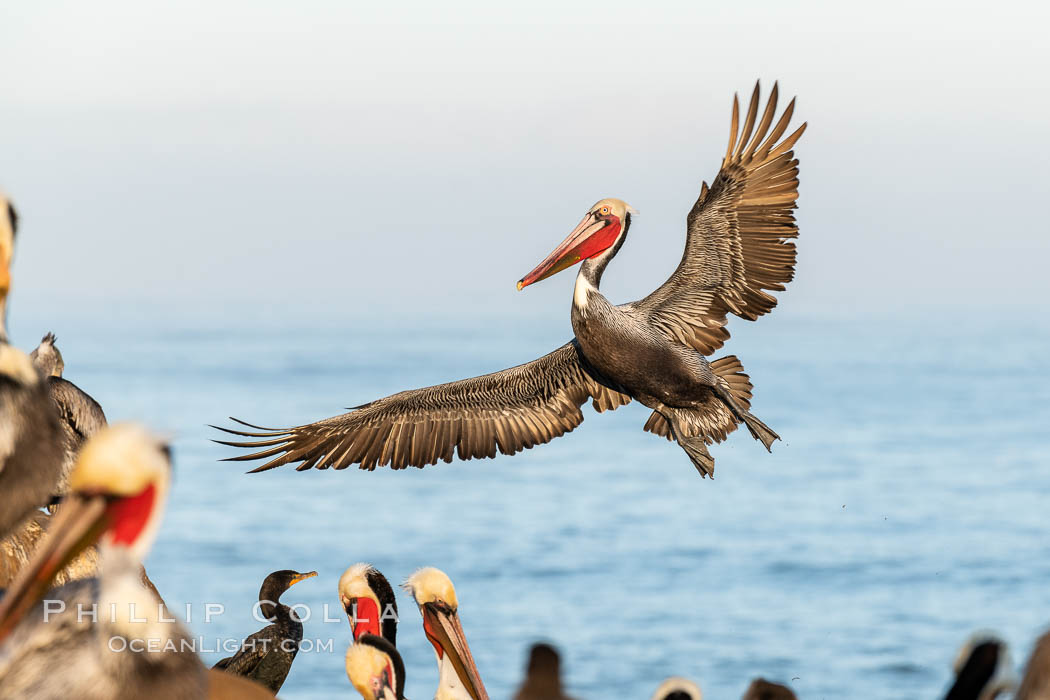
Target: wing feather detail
739,240
499,413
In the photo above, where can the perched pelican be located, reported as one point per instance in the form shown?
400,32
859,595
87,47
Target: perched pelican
375,669
369,602
542,675
677,688
761,689
266,657
983,669
1035,685
436,597
738,245
105,638
30,435
81,416
118,491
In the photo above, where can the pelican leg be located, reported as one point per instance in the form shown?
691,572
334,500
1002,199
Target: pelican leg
759,430
695,447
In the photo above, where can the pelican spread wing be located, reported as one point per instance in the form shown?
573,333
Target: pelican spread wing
739,235
504,412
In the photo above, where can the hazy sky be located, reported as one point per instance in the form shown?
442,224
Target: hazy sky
349,157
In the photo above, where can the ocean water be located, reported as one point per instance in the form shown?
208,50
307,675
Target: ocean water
905,508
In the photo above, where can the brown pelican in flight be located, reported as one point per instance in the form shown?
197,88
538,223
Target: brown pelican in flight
458,677
131,647
375,669
738,248
266,656
369,602
30,435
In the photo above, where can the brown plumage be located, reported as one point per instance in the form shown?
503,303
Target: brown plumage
1035,684
739,247
17,548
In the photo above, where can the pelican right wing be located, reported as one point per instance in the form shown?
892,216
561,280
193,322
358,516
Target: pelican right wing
504,412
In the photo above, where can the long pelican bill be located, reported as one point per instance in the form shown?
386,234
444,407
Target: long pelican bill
445,632
591,236
79,523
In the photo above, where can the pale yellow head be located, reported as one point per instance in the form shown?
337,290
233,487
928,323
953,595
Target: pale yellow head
121,460
8,227
126,461
17,366
371,672
354,584
430,585
680,686
610,206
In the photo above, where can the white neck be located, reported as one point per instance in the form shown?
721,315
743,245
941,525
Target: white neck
450,687
126,608
582,291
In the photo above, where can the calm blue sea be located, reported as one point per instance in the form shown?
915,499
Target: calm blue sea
905,508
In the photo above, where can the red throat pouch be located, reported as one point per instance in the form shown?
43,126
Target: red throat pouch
129,516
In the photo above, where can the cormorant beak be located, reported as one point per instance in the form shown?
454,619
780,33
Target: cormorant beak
442,627
302,577
79,523
590,237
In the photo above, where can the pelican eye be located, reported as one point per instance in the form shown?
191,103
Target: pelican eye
605,210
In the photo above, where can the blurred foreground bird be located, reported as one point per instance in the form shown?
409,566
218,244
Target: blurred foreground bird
983,669
542,675
266,656
55,649
1035,684
30,434
17,549
458,676
375,669
368,600
739,246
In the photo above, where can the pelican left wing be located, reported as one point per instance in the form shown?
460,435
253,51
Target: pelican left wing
504,412
739,235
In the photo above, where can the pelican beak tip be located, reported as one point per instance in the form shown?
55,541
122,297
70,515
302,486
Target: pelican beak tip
521,285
